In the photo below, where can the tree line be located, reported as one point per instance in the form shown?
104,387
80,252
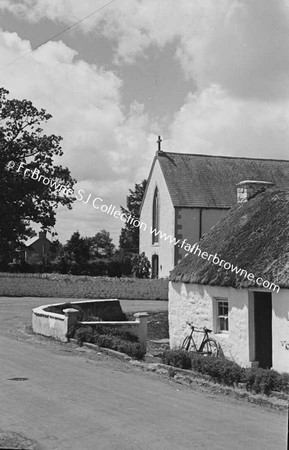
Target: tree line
23,200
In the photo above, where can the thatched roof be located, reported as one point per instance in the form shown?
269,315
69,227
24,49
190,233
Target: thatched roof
254,236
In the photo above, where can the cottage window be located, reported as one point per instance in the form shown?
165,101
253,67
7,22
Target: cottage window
222,315
156,215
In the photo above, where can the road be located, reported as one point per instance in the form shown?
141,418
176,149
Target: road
65,397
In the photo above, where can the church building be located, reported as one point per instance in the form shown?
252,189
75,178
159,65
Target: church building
187,194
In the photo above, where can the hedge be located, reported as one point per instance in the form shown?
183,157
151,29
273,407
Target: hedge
73,286
258,381
109,337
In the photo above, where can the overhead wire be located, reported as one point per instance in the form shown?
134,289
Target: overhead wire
56,35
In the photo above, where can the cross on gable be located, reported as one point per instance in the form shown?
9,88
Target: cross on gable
159,141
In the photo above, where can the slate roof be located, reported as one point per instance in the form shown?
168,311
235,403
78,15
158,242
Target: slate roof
32,241
254,236
210,181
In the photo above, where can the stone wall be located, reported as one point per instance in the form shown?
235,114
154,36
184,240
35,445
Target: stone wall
72,286
138,327
59,325
108,309
50,324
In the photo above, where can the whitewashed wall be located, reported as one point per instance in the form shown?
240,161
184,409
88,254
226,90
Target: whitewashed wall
194,303
164,249
280,330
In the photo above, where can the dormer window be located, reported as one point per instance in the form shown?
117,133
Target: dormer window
156,217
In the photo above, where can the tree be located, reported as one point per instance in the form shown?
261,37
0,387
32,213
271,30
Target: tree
141,266
86,255
55,248
23,200
129,236
100,245
75,255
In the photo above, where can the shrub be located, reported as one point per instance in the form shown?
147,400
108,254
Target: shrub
112,331
133,349
177,358
97,267
84,334
259,381
264,381
223,370
123,259
114,268
109,337
141,266
283,383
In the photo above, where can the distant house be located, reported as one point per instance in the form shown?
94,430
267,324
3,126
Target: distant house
248,313
187,194
38,249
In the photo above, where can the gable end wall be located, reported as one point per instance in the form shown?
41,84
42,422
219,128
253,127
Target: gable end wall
164,249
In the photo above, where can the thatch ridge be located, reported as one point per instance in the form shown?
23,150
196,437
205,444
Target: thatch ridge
254,236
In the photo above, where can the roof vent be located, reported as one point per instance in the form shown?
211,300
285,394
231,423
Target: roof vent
249,188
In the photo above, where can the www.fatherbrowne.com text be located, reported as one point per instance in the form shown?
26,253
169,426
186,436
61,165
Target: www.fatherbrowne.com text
112,210
214,258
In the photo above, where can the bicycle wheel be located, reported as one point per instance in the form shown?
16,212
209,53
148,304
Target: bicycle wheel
186,343
210,347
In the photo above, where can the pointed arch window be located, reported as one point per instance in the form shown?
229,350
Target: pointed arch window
156,216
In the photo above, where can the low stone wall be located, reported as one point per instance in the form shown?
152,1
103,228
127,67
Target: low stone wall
50,324
137,327
72,286
57,325
108,309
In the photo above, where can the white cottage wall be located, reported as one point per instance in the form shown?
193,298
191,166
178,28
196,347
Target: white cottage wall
194,303
164,249
280,330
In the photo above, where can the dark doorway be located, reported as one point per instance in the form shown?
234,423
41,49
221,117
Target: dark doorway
263,328
155,266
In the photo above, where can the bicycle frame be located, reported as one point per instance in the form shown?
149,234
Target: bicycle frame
191,337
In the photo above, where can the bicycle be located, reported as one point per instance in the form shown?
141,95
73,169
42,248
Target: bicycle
208,346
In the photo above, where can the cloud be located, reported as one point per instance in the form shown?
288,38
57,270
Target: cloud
235,51
212,122
85,217
102,143
241,45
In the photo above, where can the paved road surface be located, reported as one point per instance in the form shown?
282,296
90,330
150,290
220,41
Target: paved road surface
76,399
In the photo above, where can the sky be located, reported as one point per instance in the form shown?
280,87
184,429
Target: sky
209,76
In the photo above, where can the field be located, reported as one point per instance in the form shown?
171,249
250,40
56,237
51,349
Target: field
72,286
